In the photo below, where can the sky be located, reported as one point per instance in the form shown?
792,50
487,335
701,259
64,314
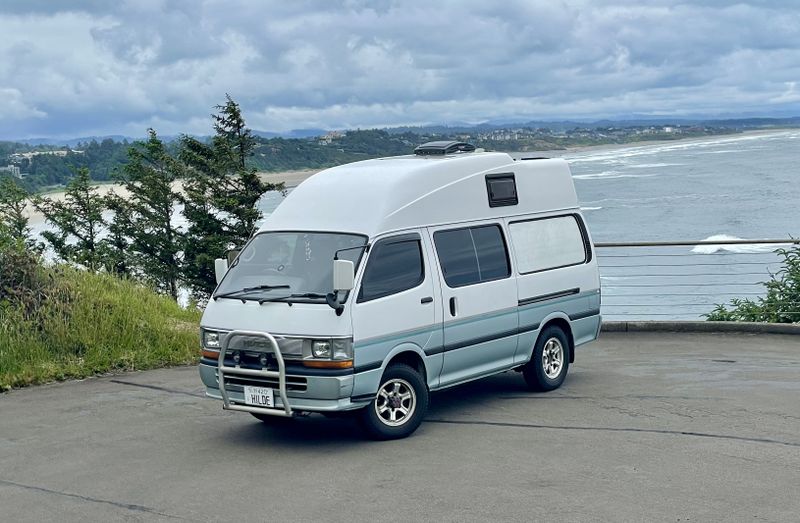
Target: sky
72,68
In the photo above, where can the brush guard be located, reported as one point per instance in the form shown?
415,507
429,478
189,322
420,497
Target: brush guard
223,370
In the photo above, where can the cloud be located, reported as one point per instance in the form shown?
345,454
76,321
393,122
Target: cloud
13,107
92,67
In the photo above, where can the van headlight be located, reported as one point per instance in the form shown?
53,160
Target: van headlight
210,339
333,349
321,349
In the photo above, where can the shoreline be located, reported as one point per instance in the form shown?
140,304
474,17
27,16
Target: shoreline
294,178
645,143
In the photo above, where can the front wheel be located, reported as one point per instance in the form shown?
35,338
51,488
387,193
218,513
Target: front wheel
399,406
550,361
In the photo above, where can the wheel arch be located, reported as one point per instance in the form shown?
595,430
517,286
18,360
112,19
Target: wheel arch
408,354
562,322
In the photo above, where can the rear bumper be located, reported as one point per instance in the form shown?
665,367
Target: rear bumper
304,392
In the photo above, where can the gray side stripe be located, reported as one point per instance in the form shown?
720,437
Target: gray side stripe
369,366
584,314
480,339
483,339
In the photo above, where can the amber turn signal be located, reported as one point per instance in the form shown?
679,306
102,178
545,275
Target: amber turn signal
328,364
211,354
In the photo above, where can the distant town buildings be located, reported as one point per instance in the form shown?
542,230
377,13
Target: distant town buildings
600,133
12,169
19,157
329,137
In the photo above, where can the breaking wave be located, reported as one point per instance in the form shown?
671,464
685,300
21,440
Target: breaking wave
608,175
742,248
653,165
638,150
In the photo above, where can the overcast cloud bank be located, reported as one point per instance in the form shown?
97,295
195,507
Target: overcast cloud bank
78,68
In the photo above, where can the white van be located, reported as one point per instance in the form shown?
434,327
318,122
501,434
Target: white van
374,283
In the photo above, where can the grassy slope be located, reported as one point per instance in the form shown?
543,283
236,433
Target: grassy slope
102,324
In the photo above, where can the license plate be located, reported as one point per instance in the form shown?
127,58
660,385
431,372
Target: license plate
259,396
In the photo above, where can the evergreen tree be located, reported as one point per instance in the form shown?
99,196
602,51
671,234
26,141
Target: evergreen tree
221,193
115,245
13,200
77,220
144,219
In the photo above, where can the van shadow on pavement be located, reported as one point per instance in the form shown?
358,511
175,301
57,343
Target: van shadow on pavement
470,399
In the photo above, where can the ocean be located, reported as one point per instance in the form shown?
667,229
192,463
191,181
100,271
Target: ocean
718,188
745,186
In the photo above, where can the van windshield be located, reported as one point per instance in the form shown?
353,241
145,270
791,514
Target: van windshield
303,261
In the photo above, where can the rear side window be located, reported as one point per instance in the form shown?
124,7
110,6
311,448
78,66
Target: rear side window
548,243
395,265
472,255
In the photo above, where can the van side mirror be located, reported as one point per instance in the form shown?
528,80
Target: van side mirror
220,268
343,275
231,255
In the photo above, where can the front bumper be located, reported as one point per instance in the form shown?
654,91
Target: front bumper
308,393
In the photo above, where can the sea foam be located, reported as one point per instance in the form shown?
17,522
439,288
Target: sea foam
741,248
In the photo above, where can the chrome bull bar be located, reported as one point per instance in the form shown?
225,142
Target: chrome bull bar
222,370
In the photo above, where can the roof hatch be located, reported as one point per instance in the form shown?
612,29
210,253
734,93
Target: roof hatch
443,147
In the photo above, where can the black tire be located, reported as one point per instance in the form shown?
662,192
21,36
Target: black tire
270,419
410,392
550,341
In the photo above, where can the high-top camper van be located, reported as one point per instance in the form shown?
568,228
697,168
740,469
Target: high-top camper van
377,282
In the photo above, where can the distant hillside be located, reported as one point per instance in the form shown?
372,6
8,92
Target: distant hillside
47,166
50,165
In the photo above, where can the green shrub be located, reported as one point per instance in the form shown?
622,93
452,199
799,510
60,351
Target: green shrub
23,281
781,304
66,323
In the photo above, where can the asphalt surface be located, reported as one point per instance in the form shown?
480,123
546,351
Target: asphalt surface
647,427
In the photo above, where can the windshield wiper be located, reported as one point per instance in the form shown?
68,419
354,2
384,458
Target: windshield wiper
307,295
234,294
296,295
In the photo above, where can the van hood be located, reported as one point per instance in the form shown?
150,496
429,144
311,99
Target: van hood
298,319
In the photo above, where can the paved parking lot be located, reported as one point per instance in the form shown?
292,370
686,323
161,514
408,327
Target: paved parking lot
648,426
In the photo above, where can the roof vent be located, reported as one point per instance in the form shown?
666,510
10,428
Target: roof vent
443,147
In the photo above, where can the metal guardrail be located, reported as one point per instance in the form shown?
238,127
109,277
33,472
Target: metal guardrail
662,280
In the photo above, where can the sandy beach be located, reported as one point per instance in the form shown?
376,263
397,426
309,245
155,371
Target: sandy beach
290,178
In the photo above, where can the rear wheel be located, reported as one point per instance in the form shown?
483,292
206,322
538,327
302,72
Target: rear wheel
548,366
399,406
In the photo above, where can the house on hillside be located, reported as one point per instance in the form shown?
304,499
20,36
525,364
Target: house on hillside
13,170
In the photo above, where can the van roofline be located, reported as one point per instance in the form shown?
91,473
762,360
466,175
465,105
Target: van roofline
396,193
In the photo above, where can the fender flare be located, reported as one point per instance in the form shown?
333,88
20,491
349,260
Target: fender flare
405,347
556,315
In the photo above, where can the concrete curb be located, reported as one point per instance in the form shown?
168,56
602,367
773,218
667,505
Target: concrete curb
701,326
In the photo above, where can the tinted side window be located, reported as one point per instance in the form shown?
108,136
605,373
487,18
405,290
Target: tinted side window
472,255
457,256
393,266
492,257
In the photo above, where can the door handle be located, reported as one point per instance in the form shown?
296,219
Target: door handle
453,306
426,299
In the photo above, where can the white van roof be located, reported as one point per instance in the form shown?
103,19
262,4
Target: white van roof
402,192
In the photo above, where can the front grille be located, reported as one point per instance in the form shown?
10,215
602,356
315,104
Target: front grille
251,360
237,383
